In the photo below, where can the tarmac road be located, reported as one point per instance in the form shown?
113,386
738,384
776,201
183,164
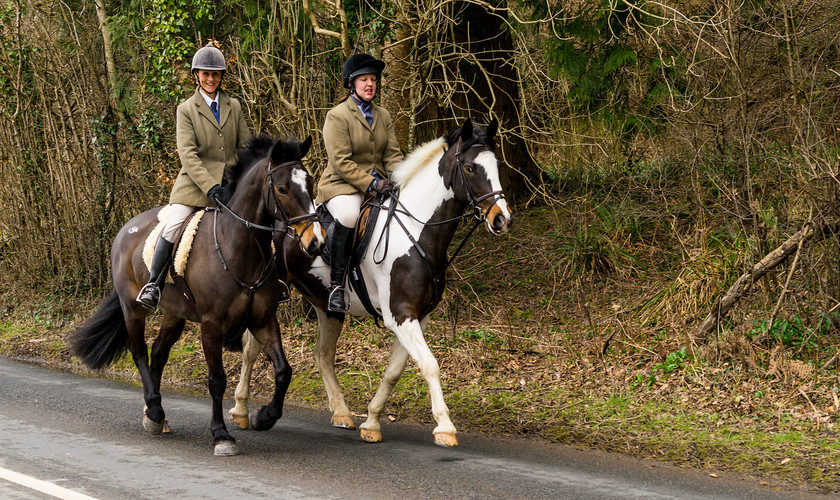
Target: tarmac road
67,436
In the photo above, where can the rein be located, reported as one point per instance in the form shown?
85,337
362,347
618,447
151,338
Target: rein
473,203
284,218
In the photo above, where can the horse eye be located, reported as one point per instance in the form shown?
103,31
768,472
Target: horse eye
281,190
470,167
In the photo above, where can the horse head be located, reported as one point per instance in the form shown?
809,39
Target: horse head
290,194
474,174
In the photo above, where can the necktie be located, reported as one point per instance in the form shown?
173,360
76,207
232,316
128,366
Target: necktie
368,112
214,107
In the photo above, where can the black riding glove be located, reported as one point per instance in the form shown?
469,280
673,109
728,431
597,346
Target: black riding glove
215,193
381,186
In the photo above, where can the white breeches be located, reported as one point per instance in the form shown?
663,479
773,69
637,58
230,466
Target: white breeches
345,208
177,215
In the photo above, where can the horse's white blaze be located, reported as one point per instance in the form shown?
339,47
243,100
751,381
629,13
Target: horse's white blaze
491,167
299,177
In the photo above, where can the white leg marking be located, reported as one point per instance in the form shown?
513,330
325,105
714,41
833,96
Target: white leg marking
396,365
250,350
328,331
410,338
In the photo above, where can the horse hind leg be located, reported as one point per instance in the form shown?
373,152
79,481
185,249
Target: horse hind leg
328,331
370,430
170,331
251,348
154,417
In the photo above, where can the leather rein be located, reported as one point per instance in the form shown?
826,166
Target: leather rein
473,203
287,225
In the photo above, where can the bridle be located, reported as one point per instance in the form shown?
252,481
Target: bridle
287,226
473,201
471,197
284,217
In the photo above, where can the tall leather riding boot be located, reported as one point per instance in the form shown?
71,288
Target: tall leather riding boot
340,244
149,295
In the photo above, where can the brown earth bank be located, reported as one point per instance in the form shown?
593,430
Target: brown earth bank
553,334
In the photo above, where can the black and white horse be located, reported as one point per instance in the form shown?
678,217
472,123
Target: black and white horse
404,270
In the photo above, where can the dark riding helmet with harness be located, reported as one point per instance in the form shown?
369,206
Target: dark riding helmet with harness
360,64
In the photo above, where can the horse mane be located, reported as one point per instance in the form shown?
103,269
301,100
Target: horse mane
255,149
417,160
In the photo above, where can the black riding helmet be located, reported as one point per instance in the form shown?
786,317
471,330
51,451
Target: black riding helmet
360,64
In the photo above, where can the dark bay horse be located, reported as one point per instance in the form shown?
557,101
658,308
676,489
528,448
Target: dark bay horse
231,276
404,270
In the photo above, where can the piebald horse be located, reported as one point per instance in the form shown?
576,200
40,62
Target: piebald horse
232,278
404,270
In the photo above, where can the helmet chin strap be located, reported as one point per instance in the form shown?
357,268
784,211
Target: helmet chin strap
358,97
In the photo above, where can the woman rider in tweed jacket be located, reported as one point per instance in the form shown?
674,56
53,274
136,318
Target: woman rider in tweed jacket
210,129
362,149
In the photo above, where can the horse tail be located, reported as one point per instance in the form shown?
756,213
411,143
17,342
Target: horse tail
104,337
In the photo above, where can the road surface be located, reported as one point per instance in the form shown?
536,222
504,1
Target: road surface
68,436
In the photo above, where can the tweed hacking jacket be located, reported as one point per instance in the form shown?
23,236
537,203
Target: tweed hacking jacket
355,149
206,147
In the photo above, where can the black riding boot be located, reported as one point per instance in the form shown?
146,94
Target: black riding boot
149,295
340,244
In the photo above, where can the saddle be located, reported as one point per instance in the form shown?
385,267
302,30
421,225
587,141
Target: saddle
361,240
181,249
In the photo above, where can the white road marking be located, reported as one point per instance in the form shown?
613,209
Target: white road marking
42,486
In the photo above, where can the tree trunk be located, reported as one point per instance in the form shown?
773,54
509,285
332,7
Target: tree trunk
396,92
110,64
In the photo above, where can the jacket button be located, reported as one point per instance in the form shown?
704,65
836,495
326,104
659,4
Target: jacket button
372,139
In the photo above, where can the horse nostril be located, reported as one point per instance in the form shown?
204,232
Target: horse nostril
499,222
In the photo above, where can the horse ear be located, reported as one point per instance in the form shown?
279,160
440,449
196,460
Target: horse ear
278,153
466,130
493,128
305,145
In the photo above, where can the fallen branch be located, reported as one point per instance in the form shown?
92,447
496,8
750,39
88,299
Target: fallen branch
812,232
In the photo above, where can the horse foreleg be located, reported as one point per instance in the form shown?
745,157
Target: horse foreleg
410,335
269,337
328,331
251,348
370,430
211,339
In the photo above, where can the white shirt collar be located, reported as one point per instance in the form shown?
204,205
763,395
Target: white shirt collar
207,98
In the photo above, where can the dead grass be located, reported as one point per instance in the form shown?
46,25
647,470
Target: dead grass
530,347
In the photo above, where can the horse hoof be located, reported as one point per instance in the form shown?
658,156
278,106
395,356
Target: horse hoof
446,439
156,428
240,421
371,436
343,422
225,449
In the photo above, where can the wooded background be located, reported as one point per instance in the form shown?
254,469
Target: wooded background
708,128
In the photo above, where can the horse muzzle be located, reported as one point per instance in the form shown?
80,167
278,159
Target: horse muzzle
499,218
313,239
